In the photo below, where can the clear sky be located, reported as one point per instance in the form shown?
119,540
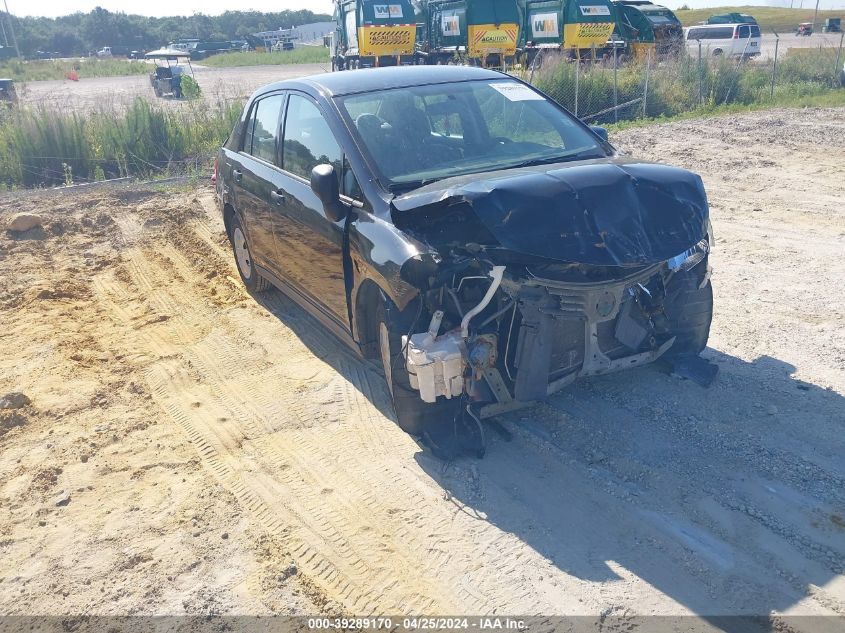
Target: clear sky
53,8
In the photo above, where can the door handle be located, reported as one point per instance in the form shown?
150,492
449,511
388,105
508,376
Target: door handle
277,197
237,174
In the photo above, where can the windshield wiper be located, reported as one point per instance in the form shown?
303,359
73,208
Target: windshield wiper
556,159
403,187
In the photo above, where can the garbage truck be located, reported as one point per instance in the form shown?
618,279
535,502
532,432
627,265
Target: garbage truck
369,34
645,26
481,32
576,26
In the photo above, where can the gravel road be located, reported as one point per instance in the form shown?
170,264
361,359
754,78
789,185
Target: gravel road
216,83
174,408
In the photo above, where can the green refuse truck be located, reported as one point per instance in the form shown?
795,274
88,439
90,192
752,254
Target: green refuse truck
369,34
645,27
482,32
577,26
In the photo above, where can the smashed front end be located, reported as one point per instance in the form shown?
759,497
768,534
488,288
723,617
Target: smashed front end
538,277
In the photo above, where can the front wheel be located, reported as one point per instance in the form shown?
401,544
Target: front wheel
689,309
250,277
413,415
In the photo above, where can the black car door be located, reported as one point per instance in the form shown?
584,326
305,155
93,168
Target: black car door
310,244
254,170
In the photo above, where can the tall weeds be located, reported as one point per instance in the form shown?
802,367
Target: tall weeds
42,69
44,147
682,85
302,55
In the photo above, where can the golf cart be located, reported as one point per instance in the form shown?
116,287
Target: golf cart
832,25
8,95
167,78
805,28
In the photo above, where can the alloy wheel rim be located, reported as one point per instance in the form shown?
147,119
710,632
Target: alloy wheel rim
242,253
384,349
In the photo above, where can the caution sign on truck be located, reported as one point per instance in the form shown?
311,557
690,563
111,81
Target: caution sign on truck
486,39
395,39
586,34
587,23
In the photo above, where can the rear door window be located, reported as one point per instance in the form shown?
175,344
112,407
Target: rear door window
749,30
262,133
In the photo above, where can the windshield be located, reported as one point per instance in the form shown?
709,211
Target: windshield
424,133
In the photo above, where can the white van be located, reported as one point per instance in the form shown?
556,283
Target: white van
733,40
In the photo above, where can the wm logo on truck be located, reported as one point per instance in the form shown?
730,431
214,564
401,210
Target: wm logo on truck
544,25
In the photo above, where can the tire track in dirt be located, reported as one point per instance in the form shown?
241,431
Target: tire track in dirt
235,405
422,556
306,445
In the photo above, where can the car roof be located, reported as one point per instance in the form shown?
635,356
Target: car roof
370,79
723,25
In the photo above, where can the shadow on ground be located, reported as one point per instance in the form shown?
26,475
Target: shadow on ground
725,500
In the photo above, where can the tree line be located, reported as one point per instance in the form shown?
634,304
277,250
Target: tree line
81,33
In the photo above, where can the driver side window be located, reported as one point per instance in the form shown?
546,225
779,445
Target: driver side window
308,142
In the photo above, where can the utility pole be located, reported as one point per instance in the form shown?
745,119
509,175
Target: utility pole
815,13
12,29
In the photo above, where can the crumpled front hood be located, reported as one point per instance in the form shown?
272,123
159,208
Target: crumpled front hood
606,212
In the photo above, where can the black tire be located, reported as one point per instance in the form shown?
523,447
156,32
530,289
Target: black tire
689,311
250,277
412,414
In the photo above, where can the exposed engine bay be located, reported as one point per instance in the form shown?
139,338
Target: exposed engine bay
534,280
510,335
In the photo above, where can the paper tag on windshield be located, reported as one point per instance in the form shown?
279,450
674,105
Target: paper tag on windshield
516,92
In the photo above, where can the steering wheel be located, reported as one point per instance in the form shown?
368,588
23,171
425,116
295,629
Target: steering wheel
368,124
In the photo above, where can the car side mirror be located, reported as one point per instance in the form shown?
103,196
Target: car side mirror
324,184
600,132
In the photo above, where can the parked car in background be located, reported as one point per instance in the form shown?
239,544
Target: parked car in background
470,235
732,40
731,18
104,52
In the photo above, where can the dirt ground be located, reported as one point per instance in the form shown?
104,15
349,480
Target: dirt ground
189,448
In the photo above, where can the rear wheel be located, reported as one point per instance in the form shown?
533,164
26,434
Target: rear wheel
251,278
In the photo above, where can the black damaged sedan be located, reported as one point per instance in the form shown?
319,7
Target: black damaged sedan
470,235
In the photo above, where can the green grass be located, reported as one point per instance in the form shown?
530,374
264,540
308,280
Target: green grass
831,99
40,70
680,86
304,55
781,20
44,147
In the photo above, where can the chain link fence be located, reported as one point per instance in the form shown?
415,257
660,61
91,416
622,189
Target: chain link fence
611,87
